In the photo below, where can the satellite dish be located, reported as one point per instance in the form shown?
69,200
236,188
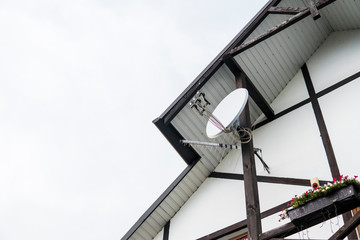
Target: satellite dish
227,112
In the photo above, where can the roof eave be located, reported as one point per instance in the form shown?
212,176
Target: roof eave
164,121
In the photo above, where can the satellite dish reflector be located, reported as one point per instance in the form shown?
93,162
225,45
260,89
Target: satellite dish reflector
227,112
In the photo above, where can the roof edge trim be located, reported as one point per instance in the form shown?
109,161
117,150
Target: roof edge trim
157,203
188,154
215,64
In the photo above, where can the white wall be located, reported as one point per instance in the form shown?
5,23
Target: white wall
340,107
287,143
297,133
218,203
341,113
291,145
336,59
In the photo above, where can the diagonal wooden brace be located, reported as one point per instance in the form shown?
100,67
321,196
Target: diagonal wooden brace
313,9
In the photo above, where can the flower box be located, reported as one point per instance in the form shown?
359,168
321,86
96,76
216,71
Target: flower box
337,202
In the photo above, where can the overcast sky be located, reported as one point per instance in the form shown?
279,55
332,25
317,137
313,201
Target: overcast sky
80,83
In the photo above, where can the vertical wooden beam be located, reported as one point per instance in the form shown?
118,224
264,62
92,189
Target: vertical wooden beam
354,211
166,231
324,136
253,217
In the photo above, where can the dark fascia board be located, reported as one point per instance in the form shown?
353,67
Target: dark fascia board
164,121
214,65
173,136
162,197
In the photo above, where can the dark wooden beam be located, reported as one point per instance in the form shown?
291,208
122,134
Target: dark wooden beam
280,232
285,10
306,101
225,231
242,224
274,210
278,28
338,85
248,158
335,172
173,136
253,91
271,32
313,9
348,227
166,231
232,176
267,179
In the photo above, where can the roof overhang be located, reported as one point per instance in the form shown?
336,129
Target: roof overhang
269,51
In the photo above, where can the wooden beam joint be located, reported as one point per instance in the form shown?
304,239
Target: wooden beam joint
269,33
301,13
313,9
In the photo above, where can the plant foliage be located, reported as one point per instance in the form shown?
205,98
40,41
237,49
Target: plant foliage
321,191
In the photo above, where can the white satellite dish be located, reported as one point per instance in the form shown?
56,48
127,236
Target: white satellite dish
227,112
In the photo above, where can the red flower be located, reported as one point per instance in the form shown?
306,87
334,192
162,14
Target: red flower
315,186
355,176
334,180
346,177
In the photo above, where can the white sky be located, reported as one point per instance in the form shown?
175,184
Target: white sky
80,83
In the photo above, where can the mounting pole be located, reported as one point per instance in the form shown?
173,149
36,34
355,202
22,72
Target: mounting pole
253,217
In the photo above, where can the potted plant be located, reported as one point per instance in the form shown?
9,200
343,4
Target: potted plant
327,201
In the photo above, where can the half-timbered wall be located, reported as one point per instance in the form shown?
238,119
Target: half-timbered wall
217,204
291,146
